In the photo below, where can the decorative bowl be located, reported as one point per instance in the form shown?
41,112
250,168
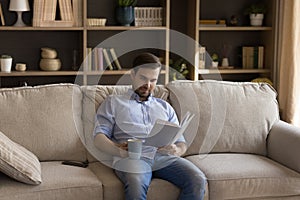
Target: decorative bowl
50,64
96,21
48,53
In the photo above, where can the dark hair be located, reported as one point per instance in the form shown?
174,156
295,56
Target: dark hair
146,60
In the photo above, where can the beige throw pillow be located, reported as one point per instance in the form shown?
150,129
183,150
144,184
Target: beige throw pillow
19,163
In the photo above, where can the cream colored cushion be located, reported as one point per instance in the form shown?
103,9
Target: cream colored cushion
246,176
230,117
45,119
19,163
60,182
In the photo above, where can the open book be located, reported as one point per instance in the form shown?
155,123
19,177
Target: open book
165,133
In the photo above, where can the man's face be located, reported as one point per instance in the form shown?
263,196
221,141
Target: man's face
144,81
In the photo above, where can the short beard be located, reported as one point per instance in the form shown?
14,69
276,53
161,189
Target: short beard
143,97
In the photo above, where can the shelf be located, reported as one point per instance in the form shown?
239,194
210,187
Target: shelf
100,28
30,28
68,73
233,71
113,72
236,28
124,28
41,73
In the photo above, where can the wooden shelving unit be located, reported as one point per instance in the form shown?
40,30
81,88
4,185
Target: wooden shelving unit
25,43
212,38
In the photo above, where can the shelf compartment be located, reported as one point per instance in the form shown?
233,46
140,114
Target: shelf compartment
41,73
236,28
124,28
234,71
30,28
113,72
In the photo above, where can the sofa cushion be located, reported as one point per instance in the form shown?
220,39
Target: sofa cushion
159,189
92,99
230,117
246,176
59,182
46,120
19,163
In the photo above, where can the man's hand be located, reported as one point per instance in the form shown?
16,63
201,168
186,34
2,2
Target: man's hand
123,147
177,149
110,147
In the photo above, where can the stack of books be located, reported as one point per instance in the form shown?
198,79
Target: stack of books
212,23
253,57
44,13
148,16
99,59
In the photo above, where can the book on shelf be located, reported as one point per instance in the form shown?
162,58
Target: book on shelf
2,16
202,55
107,59
115,58
165,133
77,12
212,23
99,58
253,57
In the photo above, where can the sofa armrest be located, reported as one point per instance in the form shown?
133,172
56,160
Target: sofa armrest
283,145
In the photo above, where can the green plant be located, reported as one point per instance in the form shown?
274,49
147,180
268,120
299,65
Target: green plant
258,8
126,3
181,70
215,57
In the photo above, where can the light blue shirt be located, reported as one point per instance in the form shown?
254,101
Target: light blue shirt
122,117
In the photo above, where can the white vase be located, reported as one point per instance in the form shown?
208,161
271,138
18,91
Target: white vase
256,19
6,64
225,62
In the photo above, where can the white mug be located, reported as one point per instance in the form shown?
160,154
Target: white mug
134,148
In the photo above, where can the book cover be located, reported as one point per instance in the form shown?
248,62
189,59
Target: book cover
100,58
165,133
107,59
2,16
115,58
77,12
260,57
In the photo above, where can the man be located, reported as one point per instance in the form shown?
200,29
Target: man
123,117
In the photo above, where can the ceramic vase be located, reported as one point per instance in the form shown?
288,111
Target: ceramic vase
6,64
256,19
125,15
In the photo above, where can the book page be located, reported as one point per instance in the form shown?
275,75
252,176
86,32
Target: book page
166,133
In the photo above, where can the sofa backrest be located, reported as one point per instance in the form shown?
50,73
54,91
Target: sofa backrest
93,96
229,117
44,119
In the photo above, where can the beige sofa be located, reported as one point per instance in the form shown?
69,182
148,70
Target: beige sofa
236,138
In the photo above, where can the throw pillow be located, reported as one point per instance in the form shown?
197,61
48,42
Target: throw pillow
19,163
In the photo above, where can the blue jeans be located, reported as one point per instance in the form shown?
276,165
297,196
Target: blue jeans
179,171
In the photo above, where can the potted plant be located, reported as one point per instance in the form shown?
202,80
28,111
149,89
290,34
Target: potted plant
125,12
215,60
256,13
6,62
179,69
